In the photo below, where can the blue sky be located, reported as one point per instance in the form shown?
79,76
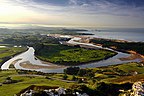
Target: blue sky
91,13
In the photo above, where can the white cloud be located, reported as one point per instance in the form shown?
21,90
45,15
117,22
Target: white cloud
77,12
82,7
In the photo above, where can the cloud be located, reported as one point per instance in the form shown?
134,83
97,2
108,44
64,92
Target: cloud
86,12
73,2
86,7
113,7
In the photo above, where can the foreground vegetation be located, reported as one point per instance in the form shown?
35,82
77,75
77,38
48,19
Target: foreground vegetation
61,54
112,74
102,81
8,52
23,81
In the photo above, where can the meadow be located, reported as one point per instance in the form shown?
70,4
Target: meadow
61,54
24,81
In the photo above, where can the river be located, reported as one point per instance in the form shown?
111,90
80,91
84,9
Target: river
29,56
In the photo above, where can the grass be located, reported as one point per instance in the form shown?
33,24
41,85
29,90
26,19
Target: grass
131,67
61,54
102,74
125,79
9,52
120,73
25,81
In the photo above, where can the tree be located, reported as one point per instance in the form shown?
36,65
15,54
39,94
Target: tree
65,76
72,70
8,78
74,78
82,72
90,74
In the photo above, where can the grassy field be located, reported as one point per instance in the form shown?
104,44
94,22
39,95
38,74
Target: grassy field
24,81
122,73
110,74
61,54
8,52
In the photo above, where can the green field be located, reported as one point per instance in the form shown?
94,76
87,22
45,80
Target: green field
8,52
24,81
122,73
112,76
61,54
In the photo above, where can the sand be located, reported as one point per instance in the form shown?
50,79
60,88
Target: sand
28,65
134,55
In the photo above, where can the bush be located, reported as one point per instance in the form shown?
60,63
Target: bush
74,78
72,70
65,77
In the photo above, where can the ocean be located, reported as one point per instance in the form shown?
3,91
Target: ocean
131,34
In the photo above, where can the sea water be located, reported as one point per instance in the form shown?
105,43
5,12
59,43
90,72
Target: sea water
129,34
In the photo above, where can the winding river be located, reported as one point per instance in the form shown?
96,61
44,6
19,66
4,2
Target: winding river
29,56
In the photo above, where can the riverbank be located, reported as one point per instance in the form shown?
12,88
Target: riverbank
134,55
133,48
48,65
9,52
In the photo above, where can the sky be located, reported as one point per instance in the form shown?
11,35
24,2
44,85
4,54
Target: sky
79,13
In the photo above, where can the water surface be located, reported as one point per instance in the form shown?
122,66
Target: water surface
129,34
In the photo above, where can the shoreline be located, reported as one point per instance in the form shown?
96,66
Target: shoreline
134,55
28,65
101,42
14,55
119,40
